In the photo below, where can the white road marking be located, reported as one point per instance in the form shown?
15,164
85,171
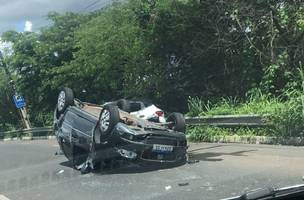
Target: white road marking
2,197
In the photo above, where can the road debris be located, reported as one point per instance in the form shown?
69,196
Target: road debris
183,184
168,187
2,197
192,161
60,172
209,188
57,153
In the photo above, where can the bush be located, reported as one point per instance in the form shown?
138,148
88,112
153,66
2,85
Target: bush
284,113
257,103
41,119
288,118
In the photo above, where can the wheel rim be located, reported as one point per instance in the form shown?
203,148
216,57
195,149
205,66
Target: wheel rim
105,120
61,101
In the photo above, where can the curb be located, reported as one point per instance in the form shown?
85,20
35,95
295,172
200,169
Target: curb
292,141
30,138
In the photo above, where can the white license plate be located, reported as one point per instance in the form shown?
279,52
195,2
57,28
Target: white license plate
162,148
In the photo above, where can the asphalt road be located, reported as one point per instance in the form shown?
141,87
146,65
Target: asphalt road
31,170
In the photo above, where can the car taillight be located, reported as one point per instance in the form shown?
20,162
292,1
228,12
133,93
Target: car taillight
159,113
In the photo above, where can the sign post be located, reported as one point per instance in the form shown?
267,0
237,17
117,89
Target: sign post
19,101
20,104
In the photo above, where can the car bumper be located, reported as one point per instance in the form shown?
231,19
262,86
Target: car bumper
145,152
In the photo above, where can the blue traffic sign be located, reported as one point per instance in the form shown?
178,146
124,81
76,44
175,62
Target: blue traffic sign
19,101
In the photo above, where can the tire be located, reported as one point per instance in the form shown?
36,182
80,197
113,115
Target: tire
65,99
146,102
142,105
124,105
178,122
108,118
136,106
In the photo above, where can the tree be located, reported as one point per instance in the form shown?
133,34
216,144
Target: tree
36,57
162,50
111,51
8,114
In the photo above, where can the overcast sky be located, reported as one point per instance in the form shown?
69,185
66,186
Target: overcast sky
30,15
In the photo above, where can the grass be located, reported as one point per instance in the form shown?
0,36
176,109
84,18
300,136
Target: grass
206,133
257,103
286,113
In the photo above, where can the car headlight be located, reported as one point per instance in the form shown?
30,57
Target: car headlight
124,131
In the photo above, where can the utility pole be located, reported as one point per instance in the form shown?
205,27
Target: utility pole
20,104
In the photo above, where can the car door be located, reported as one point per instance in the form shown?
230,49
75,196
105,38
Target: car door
74,128
65,133
82,131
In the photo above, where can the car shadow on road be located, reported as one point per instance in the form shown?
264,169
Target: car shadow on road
211,156
134,168
66,164
121,167
203,148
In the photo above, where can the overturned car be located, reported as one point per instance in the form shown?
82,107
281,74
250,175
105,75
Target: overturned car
90,135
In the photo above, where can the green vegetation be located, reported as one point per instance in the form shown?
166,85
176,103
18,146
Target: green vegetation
8,115
206,134
232,57
256,103
284,113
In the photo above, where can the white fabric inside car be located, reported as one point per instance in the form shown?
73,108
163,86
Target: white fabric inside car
148,113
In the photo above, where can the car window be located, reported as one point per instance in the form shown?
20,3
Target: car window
78,122
70,117
83,125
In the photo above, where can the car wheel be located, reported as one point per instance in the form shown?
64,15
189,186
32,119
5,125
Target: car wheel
108,118
123,105
65,99
136,106
178,122
142,105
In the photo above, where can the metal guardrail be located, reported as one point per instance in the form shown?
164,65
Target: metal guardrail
28,131
228,121
219,121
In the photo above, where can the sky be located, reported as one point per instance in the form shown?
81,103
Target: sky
30,15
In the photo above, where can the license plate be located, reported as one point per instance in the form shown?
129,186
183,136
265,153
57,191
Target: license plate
162,148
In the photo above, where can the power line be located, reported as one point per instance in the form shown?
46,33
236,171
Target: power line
101,4
98,4
91,4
